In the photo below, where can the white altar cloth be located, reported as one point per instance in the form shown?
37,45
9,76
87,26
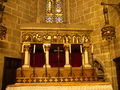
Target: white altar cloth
62,87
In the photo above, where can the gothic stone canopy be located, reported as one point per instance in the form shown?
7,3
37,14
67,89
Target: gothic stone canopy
55,33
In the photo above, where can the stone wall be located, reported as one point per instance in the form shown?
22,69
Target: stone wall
90,12
41,11
114,20
16,13
114,16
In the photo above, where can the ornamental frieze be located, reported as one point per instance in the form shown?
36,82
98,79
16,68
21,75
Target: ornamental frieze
55,37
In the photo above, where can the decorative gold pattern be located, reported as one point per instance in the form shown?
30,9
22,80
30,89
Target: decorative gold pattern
61,84
56,80
54,37
81,79
24,80
40,80
45,80
53,79
76,79
29,80
86,79
66,80
50,80
19,80
61,80
71,79
34,80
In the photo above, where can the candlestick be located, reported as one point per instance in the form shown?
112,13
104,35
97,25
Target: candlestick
34,48
91,48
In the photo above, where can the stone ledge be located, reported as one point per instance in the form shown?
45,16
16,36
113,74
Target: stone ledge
39,26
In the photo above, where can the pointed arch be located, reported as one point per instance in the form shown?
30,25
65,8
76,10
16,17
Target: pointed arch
99,70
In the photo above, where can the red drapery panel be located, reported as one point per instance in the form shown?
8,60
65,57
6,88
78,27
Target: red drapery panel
37,59
76,59
54,59
76,56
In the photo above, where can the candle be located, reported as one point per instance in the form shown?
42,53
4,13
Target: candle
44,48
70,48
34,47
81,48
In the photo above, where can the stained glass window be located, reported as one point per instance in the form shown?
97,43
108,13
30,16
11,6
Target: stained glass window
54,11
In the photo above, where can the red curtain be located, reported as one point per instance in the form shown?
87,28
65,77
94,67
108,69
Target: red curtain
54,59
76,56
37,59
76,59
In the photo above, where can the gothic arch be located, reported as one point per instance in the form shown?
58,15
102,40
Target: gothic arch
99,70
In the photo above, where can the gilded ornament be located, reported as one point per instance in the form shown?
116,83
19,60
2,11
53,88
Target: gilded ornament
53,37
56,80
66,80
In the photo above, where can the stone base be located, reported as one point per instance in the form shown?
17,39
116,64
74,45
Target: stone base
48,66
67,66
53,72
87,66
26,66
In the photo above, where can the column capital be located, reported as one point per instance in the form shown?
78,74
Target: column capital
67,46
86,46
26,43
25,46
46,46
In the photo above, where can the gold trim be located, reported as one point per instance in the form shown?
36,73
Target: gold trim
60,84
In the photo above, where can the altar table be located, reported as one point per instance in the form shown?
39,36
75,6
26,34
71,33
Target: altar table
61,86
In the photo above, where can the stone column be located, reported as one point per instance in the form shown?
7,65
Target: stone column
81,51
67,62
83,59
46,48
26,47
86,58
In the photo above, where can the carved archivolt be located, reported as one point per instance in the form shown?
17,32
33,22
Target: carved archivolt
53,37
